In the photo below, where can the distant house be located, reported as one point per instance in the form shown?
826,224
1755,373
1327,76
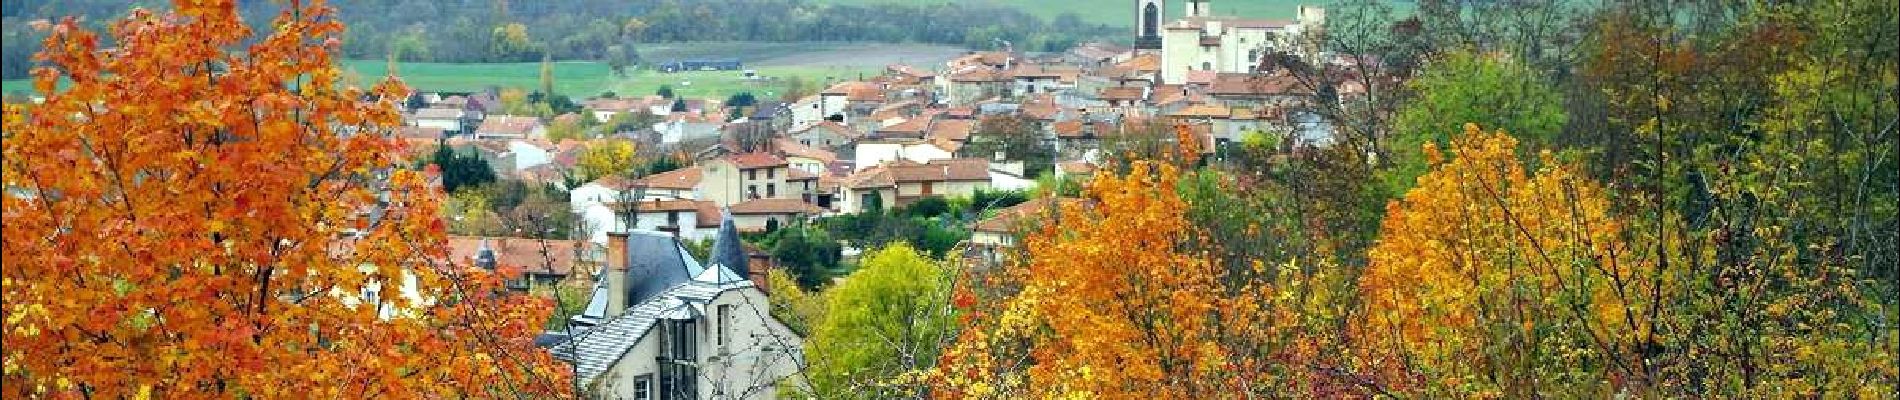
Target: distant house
901,182
662,325
511,127
757,214
736,178
825,135
541,262
688,219
990,237
972,84
701,65
684,126
873,152
809,159
451,120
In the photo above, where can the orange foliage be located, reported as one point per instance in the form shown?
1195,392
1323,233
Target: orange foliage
181,220
1111,306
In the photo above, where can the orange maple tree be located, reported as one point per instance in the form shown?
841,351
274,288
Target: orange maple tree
196,215
1113,303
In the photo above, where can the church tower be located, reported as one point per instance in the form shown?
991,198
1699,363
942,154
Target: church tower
1148,24
1199,9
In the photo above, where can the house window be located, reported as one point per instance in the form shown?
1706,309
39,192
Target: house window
643,387
725,326
771,190
771,173
1207,66
751,174
679,373
927,188
752,191
673,218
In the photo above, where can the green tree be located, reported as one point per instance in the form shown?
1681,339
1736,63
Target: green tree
888,321
665,91
1493,90
810,254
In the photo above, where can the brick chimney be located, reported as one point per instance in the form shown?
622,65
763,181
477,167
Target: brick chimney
757,265
616,274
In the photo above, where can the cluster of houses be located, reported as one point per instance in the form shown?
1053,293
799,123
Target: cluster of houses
888,140
662,324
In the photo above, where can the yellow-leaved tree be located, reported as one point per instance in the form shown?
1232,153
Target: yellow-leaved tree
1491,280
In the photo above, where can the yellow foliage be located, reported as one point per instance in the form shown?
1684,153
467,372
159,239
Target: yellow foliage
1481,244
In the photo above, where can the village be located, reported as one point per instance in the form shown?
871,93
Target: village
897,199
987,122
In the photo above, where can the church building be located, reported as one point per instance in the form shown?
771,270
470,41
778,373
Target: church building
1201,41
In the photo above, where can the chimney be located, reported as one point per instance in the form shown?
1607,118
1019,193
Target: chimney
757,265
616,273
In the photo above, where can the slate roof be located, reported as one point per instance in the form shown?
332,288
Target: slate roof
665,283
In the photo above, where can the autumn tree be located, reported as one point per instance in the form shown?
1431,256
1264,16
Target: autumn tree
1112,301
1494,280
607,157
201,214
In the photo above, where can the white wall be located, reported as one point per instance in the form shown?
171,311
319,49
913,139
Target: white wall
872,154
759,352
451,125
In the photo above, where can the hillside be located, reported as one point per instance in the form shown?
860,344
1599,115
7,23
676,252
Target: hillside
1119,12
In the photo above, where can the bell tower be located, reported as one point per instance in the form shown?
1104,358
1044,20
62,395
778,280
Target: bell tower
1148,24
1199,9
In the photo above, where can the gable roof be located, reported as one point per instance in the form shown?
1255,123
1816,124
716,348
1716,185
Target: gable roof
522,125
1006,220
831,126
940,170
773,206
1124,93
683,179
439,113
792,148
522,253
755,160
951,129
1256,84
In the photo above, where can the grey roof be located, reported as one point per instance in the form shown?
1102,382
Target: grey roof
727,253
655,261
661,284
597,349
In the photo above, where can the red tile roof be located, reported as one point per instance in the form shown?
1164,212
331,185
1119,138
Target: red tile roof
509,125
756,160
791,148
1122,93
1008,219
682,179
774,206
951,129
523,253
1257,84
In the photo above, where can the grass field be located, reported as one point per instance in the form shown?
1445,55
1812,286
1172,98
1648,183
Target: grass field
776,63
1122,12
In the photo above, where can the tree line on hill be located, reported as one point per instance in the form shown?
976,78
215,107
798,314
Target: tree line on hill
525,31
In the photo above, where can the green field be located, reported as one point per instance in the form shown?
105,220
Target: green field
1122,12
